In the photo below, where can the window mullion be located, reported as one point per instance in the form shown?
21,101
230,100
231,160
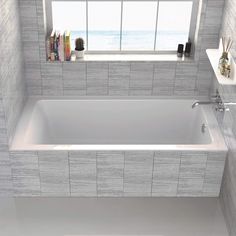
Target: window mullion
155,39
87,23
121,24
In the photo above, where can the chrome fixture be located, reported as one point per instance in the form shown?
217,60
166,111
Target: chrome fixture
195,104
216,99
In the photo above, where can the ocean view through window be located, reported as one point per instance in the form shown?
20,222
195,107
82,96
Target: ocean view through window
125,26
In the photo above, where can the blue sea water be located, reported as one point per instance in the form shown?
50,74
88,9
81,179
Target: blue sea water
131,40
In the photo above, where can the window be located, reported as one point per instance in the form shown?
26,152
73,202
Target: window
173,28
139,23
104,25
125,25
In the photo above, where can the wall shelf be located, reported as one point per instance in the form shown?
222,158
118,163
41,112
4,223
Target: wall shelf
214,56
128,58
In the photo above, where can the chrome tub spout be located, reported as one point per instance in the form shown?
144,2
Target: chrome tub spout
195,104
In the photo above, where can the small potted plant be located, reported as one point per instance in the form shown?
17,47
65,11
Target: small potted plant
79,48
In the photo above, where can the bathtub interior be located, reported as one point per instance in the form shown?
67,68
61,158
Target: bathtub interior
114,122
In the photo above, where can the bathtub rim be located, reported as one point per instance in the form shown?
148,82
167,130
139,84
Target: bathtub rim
217,140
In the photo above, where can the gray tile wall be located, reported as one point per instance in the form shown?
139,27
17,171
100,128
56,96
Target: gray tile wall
12,87
138,173
83,173
54,173
166,173
133,173
120,78
192,173
110,173
228,93
117,173
25,173
228,190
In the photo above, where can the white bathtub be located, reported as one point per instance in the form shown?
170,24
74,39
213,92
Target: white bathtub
116,124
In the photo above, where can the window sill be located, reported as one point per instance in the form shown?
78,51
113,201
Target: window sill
129,58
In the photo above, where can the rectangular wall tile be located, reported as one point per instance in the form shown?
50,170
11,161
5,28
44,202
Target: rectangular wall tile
192,173
6,189
34,87
138,173
165,173
52,78
3,139
31,52
83,173
74,78
119,75
141,79
228,193
185,78
214,173
164,78
97,78
54,173
110,173
25,173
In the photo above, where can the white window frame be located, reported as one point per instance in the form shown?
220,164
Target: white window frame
192,30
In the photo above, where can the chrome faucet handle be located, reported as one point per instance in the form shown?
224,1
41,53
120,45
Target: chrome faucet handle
221,109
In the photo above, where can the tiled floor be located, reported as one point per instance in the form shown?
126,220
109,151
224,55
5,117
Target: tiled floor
116,216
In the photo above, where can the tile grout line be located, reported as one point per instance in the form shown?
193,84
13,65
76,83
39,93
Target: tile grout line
153,163
205,171
180,163
86,78
97,195
108,79
153,74
130,66
69,179
123,153
40,182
